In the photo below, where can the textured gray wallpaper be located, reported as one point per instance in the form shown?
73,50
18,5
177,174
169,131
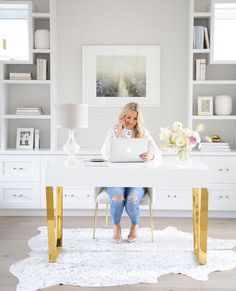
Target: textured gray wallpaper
123,22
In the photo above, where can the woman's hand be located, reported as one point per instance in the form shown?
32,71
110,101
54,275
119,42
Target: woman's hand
147,156
120,128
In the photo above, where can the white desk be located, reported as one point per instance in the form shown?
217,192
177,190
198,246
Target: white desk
192,175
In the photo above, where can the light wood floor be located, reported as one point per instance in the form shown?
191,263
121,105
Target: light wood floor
16,231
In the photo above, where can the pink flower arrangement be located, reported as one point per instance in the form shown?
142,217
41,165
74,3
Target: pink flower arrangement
180,138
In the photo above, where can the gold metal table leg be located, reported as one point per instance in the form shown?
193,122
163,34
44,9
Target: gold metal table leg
200,223
54,230
203,226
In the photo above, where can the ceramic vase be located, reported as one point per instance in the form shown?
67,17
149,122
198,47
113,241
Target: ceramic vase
42,39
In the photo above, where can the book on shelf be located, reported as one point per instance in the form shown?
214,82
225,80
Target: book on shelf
20,76
215,150
206,38
36,139
200,69
213,144
214,147
41,69
29,110
198,37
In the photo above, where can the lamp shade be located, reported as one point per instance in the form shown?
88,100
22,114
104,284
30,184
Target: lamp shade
72,115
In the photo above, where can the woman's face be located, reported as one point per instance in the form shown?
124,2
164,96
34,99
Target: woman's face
131,119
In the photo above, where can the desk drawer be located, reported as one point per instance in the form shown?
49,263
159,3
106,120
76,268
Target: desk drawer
221,170
74,198
222,197
19,169
173,199
78,198
20,195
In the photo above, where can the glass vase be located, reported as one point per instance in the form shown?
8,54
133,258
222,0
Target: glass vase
182,154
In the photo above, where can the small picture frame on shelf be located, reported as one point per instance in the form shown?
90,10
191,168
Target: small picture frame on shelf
205,105
25,138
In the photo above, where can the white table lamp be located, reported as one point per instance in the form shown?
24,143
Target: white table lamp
71,116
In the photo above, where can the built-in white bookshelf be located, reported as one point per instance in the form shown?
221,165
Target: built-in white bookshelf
220,79
28,93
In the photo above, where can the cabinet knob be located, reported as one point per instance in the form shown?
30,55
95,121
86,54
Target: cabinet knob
227,196
18,195
168,195
227,169
220,196
18,168
220,170
175,196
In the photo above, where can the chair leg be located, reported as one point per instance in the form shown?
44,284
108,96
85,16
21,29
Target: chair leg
106,221
151,222
95,220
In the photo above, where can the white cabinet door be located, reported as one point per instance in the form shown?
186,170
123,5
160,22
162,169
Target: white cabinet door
173,199
20,195
222,197
19,168
222,169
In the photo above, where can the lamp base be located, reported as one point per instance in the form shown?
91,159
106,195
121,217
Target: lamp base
71,162
71,148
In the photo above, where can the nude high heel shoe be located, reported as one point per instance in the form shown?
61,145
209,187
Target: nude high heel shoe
119,239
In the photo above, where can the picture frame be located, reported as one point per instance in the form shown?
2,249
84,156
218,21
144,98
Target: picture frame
205,105
25,138
116,75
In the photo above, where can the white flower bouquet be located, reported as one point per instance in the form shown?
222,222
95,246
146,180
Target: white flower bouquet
180,138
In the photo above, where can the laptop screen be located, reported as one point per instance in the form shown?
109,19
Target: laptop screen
128,149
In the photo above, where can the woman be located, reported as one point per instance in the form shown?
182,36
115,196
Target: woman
129,125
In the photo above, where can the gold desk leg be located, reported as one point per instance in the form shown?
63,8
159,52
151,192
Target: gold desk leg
59,215
203,226
54,239
196,224
200,221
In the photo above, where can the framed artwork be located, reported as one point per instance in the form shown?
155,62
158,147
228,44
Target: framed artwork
116,75
205,105
25,138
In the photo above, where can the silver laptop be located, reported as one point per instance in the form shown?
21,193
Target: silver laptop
126,150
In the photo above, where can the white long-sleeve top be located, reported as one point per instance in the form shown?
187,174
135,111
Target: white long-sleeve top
128,133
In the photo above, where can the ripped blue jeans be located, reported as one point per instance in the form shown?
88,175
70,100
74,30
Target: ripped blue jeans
128,198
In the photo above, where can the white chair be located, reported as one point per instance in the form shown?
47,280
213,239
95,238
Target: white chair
101,197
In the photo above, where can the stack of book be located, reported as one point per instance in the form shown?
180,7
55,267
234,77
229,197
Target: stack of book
200,69
41,69
36,139
200,37
29,110
214,147
20,76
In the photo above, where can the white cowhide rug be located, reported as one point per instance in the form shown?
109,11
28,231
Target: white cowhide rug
101,262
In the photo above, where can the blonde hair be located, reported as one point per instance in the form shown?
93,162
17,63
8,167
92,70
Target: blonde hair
139,127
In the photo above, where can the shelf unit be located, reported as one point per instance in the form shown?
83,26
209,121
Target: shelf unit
28,93
220,79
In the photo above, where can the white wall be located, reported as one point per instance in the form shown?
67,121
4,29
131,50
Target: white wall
123,22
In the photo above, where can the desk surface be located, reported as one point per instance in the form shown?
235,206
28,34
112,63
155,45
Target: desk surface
168,175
